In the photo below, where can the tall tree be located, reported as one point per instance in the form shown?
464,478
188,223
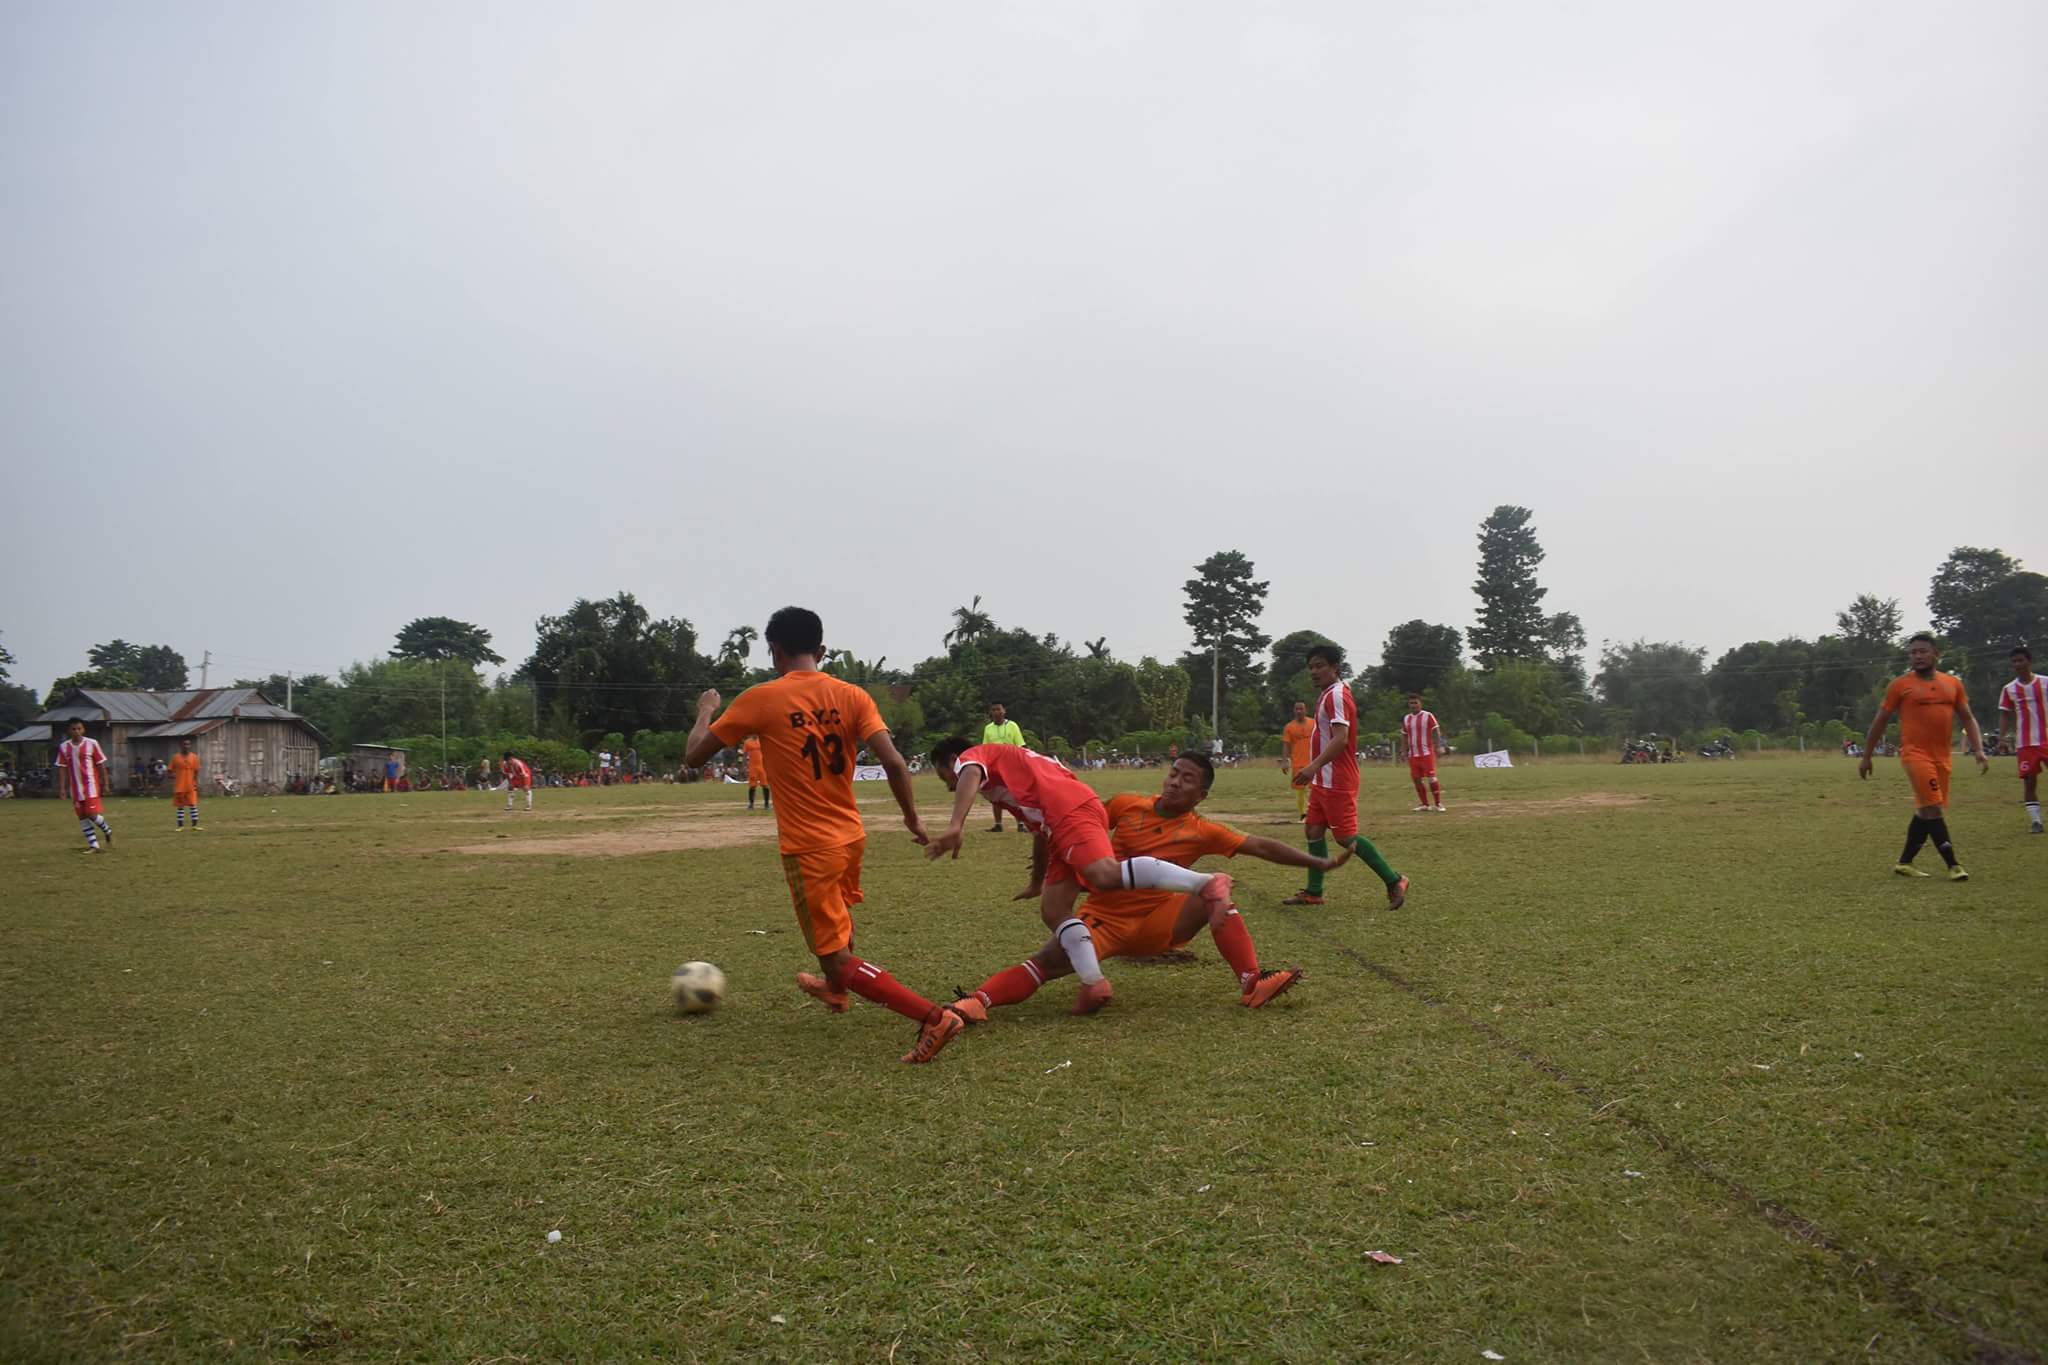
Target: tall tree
1512,624
17,703
1224,603
739,643
610,665
443,637
1960,584
106,679
1418,656
156,667
1871,620
1750,683
1287,680
1658,687
1162,693
970,624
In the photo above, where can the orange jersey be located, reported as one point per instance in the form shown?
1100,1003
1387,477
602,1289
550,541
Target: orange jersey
184,772
1926,710
811,727
1300,736
1136,830
752,749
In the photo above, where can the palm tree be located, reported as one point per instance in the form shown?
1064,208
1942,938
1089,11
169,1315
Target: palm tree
970,623
1098,648
739,642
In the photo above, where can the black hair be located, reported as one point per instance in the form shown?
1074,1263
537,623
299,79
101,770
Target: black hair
1923,635
508,753
1332,654
2022,652
1201,761
1416,695
950,748
796,630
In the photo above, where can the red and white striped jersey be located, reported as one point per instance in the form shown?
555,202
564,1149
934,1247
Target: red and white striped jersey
1335,707
81,759
2028,702
1417,727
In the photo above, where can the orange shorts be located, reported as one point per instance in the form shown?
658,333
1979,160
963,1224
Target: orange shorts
757,777
1132,923
1078,838
185,796
1929,775
824,885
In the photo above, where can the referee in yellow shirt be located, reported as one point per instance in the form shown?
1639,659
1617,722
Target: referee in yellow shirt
1001,731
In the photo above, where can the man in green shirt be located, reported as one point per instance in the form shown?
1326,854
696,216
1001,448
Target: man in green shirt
1001,731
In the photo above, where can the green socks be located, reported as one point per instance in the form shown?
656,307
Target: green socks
1373,860
1318,848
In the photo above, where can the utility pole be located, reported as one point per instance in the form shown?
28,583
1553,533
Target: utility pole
444,720
287,690
1216,695
205,660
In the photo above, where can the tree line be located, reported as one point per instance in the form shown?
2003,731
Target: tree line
610,672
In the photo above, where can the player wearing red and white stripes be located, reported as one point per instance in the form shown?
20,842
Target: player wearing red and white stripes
1332,781
1423,740
517,777
82,776
2023,716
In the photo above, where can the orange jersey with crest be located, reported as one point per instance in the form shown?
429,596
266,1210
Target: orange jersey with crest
1136,830
1927,710
811,727
184,772
1300,737
752,749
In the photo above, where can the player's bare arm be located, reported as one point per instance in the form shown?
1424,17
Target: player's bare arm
1340,735
967,786
1870,740
1975,736
1273,851
884,749
703,744
1040,847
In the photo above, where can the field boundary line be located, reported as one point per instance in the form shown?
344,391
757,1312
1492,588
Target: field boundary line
1899,1281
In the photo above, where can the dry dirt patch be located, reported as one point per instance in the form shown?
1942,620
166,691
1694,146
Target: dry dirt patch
1555,805
669,836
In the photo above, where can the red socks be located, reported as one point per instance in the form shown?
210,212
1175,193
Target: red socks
1234,941
870,982
1011,985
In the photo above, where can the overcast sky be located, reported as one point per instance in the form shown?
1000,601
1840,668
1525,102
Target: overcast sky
322,317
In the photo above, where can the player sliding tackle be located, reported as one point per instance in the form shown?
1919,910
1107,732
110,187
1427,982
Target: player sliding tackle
1140,923
1072,851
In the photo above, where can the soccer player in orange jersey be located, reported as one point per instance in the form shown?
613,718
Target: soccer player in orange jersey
757,772
1071,851
1299,737
1927,703
812,726
184,766
1140,923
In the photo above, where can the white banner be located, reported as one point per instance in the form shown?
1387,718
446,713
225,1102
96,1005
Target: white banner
1497,759
870,772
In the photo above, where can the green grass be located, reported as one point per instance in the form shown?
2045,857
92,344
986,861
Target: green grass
305,1084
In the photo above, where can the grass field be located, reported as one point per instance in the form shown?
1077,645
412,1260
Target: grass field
1658,1064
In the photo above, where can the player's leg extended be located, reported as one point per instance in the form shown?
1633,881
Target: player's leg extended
1056,908
1014,985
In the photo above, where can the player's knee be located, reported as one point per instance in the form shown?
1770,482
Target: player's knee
1218,914
1104,874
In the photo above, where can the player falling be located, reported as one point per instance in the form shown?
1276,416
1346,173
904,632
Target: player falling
82,776
1423,740
1298,737
184,766
1927,703
812,726
1140,923
1072,849
1332,781
518,777
2023,721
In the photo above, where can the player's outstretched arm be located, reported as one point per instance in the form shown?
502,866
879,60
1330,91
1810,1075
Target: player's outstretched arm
884,749
1273,851
966,787
1870,740
703,744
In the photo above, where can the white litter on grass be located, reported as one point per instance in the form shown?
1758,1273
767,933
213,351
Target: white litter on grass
1382,1258
1760,1066
778,1319
555,1235
1049,1070
762,932
1859,1056
1633,1175
1205,1189
1493,1355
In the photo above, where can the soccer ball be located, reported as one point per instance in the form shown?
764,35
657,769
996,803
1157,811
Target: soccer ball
697,987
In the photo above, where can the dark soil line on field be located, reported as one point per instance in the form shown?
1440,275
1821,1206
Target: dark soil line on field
1987,1349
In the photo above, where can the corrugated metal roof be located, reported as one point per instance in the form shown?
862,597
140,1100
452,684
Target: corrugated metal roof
29,734
69,713
158,708
263,710
127,707
180,729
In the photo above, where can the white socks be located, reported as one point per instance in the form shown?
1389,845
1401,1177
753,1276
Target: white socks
1148,874
1075,942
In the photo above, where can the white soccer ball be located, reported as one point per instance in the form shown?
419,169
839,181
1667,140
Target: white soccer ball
697,987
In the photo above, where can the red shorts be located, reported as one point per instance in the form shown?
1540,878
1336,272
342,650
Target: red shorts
1334,809
1424,766
1078,838
86,807
2033,758
1929,775
824,886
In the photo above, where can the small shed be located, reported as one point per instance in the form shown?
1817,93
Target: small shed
237,732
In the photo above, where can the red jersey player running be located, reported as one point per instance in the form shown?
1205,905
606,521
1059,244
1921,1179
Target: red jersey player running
82,775
2023,716
518,777
811,727
1332,781
1072,851
1423,741
1141,923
